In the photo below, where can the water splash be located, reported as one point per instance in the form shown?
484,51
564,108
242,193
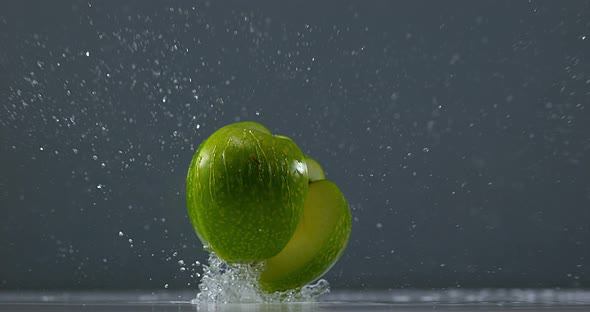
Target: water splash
224,282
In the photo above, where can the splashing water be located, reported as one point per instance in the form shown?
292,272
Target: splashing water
224,282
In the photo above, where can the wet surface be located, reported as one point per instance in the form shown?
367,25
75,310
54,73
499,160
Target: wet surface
397,300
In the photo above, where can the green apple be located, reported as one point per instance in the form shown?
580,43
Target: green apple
246,191
320,239
253,196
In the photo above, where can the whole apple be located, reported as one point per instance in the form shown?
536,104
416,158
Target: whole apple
246,190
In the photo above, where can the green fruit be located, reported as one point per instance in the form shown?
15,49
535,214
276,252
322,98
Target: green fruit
318,242
253,196
245,192
314,170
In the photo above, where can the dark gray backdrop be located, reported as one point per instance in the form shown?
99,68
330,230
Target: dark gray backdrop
458,132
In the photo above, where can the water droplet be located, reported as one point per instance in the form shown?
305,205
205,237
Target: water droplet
121,234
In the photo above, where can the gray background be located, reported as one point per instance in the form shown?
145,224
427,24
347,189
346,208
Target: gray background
458,131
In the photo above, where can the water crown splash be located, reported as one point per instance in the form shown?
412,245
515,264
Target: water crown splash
224,282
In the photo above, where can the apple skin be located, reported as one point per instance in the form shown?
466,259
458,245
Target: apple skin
246,190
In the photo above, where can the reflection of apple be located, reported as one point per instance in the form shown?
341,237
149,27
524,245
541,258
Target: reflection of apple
254,196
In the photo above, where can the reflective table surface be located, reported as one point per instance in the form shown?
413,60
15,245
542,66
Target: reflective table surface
338,300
